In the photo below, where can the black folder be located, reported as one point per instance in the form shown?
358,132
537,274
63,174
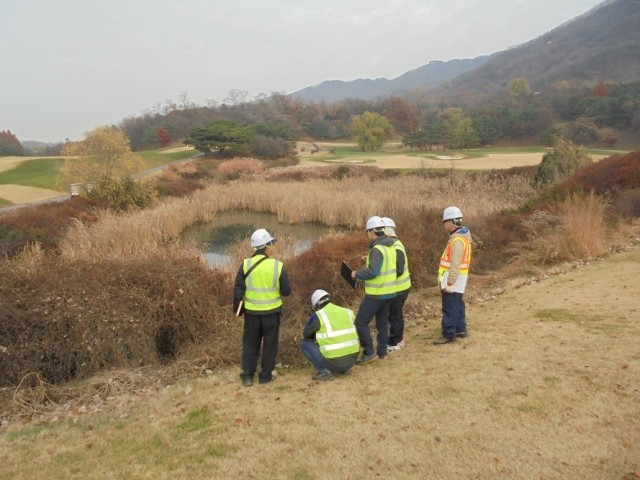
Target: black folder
345,271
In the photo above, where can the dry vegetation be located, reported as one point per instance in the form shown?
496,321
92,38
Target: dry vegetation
123,292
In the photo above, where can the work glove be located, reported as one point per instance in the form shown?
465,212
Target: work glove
449,288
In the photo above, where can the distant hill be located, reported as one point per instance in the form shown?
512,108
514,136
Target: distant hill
433,74
601,45
34,144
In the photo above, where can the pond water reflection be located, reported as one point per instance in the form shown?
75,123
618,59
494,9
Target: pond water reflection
215,237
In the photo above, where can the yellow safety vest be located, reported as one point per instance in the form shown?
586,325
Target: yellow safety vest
403,282
263,284
337,335
385,282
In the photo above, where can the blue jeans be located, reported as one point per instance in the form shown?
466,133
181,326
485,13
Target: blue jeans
453,314
311,351
369,308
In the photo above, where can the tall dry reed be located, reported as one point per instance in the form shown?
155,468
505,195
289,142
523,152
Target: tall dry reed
348,202
575,230
585,231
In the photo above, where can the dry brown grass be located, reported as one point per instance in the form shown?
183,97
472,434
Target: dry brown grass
545,387
348,202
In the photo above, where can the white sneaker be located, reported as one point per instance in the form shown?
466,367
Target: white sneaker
395,348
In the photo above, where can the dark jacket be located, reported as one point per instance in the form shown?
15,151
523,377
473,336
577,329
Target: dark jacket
240,287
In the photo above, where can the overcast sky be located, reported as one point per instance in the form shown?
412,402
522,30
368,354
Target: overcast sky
68,66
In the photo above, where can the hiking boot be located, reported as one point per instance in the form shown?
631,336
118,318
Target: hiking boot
443,340
324,376
462,334
364,359
247,382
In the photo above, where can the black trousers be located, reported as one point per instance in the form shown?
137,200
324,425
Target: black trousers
396,319
260,331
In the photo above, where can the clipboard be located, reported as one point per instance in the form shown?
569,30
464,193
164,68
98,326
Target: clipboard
345,271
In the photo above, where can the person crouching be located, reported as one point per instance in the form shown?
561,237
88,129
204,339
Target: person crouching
330,341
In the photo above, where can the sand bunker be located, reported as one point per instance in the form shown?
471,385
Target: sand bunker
20,194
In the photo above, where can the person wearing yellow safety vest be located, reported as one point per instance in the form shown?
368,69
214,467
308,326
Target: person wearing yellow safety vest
259,285
379,276
403,285
452,276
330,341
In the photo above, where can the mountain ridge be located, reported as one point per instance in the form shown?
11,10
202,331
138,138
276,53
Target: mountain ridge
602,44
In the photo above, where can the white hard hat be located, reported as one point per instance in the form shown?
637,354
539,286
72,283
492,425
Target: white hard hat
374,223
261,238
451,213
317,296
387,222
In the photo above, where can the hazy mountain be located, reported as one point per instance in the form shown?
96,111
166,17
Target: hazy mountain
33,144
601,45
433,74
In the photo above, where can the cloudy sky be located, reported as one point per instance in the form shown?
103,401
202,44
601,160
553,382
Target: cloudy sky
68,66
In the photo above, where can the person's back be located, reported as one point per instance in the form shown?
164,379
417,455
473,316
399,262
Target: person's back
260,283
330,341
379,276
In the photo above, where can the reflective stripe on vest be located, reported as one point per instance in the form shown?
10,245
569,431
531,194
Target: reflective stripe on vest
263,284
337,335
385,282
403,282
445,260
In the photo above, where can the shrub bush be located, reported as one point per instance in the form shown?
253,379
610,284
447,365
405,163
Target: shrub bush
234,169
613,173
123,194
561,162
44,224
69,320
269,148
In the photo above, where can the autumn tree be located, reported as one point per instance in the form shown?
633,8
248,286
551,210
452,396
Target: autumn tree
10,145
402,116
600,90
370,130
164,136
104,153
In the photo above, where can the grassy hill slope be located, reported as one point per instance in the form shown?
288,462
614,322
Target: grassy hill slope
546,386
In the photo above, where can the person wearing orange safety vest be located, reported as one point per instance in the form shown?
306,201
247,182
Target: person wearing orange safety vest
452,276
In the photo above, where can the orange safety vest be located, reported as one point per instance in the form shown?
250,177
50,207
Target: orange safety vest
445,259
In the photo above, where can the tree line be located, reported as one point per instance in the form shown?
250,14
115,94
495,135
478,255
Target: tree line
423,121
268,124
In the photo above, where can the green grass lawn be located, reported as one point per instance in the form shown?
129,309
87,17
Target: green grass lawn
155,158
39,173
42,172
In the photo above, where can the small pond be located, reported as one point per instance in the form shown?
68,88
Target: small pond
215,237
